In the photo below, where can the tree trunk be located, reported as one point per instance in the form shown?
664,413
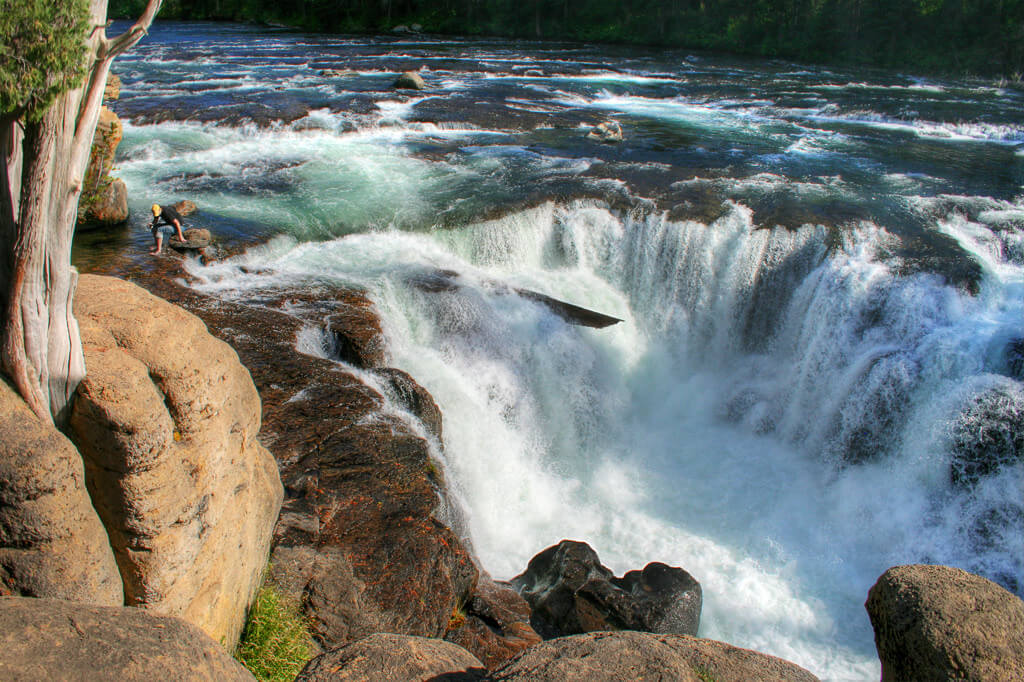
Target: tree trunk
43,167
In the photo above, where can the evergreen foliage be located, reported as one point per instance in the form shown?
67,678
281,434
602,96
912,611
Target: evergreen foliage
42,54
979,36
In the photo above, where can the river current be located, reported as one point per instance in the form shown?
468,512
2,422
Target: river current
820,274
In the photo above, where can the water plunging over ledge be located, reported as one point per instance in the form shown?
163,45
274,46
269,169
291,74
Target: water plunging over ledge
820,275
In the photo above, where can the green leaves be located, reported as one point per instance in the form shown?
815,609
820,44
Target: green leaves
43,53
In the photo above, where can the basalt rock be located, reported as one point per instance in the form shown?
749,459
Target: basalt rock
494,624
167,420
52,543
410,80
570,592
385,657
616,656
358,542
45,639
942,623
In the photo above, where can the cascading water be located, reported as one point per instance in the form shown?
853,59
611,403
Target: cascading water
821,280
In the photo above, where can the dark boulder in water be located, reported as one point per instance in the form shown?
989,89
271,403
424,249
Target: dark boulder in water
354,334
410,80
608,131
413,397
571,593
1015,359
988,435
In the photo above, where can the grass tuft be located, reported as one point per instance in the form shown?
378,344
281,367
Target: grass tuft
276,643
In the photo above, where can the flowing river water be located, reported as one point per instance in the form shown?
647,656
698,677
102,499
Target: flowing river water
820,274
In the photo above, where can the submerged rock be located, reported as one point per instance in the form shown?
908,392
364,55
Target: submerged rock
942,623
988,435
494,625
617,656
608,131
410,80
570,592
386,657
44,639
167,421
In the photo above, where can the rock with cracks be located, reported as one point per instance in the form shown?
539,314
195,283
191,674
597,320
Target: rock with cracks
494,624
44,639
942,623
167,420
386,657
52,543
570,592
617,656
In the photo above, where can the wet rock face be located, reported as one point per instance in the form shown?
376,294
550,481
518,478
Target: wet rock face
43,639
616,656
404,390
570,592
354,332
357,542
52,543
988,435
386,657
495,624
410,80
942,623
167,422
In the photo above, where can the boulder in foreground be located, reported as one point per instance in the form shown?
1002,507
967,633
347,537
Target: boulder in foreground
617,656
44,639
386,657
570,592
942,623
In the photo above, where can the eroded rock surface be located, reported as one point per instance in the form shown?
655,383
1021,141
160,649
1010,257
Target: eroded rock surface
616,656
167,420
358,542
570,592
44,639
942,623
496,624
410,80
52,543
384,658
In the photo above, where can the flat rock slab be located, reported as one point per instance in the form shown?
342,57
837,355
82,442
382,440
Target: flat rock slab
385,657
48,639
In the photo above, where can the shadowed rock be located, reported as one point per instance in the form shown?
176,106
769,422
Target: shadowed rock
942,623
617,656
570,592
354,332
403,389
410,80
44,639
496,625
385,657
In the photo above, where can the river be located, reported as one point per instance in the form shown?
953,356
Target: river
820,274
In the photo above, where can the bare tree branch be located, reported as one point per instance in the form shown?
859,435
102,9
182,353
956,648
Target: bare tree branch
124,41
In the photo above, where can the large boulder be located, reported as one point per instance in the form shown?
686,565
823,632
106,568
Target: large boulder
104,200
387,657
52,543
167,420
570,592
617,656
44,639
494,624
942,623
410,80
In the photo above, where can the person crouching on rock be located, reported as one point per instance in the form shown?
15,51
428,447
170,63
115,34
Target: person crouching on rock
171,218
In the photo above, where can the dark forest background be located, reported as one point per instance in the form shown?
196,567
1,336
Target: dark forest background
983,37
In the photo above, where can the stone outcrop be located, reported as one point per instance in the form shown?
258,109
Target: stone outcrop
495,624
616,656
384,658
403,390
362,540
570,592
44,639
410,80
942,623
167,421
104,200
607,131
354,331
52,543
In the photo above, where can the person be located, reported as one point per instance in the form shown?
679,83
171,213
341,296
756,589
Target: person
171,218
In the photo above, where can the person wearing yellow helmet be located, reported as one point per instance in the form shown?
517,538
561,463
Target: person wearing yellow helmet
171,219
